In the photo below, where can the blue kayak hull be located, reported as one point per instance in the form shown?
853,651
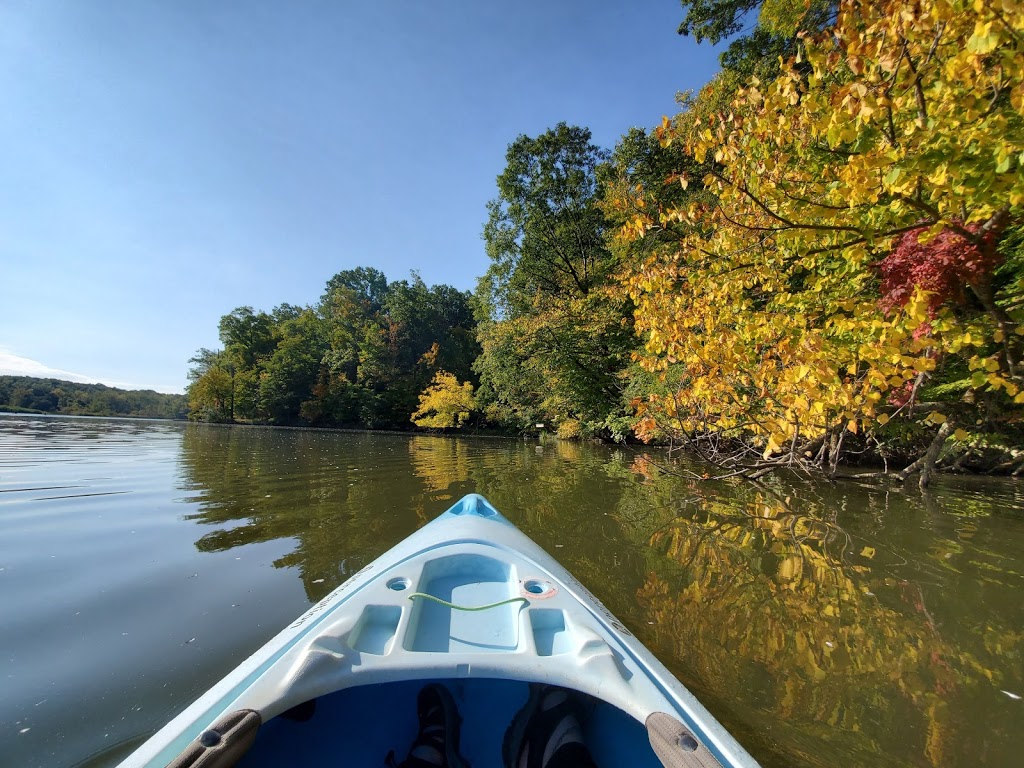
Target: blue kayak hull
360,726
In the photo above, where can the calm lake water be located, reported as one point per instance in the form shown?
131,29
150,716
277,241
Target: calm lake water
823,625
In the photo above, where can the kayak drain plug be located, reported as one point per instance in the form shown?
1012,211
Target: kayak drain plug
209,738
687,742
538,588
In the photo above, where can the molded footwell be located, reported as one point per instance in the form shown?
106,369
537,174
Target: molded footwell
359,726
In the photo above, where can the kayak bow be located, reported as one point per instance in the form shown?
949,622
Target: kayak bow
470,601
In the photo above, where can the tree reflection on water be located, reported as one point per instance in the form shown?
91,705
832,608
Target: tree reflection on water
758,594
823,624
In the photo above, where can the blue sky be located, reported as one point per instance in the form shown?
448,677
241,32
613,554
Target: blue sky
163,162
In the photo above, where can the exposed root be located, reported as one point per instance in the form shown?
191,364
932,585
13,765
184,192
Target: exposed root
824,455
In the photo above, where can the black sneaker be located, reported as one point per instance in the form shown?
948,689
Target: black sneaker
437,743
549,713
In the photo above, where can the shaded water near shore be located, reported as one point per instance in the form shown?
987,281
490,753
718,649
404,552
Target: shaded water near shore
823,625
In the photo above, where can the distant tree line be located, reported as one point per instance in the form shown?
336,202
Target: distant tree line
361,357
24,393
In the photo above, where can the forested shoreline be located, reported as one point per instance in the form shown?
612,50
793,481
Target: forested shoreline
29,394
818,260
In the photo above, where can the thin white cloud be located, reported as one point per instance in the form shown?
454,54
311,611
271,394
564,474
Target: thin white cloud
16,365
12,364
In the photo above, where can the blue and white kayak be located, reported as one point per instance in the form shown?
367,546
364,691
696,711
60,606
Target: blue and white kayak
468,601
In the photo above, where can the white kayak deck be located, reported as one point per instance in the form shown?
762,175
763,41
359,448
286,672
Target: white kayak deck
365,651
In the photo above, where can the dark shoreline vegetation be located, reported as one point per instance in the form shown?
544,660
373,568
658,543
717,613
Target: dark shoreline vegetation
28,394
818,262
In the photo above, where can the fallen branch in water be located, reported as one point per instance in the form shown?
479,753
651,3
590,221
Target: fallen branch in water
926,464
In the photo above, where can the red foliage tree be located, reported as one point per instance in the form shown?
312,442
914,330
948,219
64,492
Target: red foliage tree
944,265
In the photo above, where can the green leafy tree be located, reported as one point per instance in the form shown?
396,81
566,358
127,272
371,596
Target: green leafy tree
291,373
755,48
553,340
513,388
368,285
421,317
359,358
544,233
210,396
211,389
247,336
385,343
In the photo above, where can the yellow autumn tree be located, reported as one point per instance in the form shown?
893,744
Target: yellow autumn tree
445,403
763,321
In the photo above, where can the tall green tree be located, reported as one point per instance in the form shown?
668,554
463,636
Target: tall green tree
367,284
247,335
759,32
291,373
249,338
553,340
544,232
431,328
351,311
211,389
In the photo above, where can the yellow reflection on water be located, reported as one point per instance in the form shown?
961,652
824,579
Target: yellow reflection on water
782,603
439,462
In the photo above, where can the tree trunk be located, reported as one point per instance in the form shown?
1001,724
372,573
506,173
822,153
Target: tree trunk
926,464
835,448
